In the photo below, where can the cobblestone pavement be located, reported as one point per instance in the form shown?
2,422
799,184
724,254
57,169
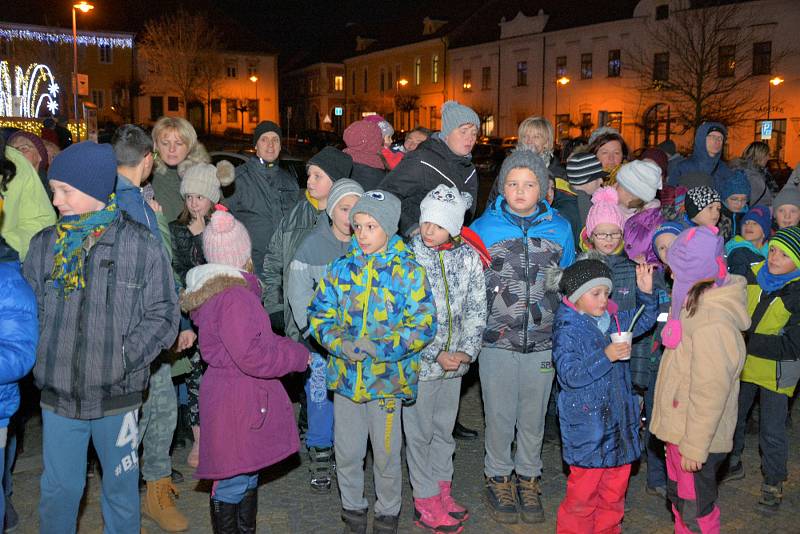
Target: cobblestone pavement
286,504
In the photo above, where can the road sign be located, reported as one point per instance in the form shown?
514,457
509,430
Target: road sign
766,130
338,111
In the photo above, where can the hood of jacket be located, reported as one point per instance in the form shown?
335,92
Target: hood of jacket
6,252
728,302
739,242
206,281
706,163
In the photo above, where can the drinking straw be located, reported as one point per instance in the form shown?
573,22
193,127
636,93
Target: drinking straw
619,329
636,317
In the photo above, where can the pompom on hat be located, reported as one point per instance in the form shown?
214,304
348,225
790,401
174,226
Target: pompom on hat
605,210
225,240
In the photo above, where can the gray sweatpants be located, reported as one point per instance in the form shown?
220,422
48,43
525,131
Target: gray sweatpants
516,388
428,426
354,423
158,421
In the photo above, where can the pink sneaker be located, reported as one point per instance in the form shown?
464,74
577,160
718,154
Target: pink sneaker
449,503
429,514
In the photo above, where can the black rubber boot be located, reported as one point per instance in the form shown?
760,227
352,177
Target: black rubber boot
385,524
355,521
224,517
248,510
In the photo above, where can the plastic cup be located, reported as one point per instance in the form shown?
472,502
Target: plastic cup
624,337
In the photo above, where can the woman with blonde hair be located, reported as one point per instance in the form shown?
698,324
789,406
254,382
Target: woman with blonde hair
754,163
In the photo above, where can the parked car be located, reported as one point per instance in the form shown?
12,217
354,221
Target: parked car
779,170
294,165
316,140
487,158
509,142
488,140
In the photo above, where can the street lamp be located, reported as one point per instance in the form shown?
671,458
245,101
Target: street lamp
254,79
559,81
84,7
776,81
401,82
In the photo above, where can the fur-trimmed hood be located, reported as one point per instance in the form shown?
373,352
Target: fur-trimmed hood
205,281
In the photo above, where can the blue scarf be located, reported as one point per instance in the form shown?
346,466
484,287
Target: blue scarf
603,322
772,282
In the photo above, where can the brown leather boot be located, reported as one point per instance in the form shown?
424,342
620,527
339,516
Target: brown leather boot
159,505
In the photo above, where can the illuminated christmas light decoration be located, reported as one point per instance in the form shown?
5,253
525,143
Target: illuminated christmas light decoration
65,38
35,127
25,99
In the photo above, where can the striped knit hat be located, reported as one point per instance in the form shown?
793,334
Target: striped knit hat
788,240
583,168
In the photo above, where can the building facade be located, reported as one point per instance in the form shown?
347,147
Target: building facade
313,98
589,76
242,94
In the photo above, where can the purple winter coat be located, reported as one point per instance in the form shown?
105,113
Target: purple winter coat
246,419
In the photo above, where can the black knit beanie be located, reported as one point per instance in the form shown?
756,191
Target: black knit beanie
698,198
582,276
265,127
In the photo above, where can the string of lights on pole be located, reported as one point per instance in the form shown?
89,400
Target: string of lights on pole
11,34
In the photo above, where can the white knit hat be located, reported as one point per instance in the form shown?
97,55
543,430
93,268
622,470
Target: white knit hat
640,178
445,206
205,179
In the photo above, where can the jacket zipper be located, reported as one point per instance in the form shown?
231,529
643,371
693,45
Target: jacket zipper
447,300
79,353
527,291
359,365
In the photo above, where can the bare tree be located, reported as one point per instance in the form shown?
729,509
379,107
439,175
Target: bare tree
700,61
182,53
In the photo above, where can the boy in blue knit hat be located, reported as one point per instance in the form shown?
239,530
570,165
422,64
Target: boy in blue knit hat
749,248
107,304
734,192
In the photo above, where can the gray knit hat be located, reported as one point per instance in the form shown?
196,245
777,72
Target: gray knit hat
382,206
525,159
454,115
790,194
201,179
341,188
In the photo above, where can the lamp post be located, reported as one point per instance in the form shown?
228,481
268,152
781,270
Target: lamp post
401,82
85,7
559,81
776,81
254,79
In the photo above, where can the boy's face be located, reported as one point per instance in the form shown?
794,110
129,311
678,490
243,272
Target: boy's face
662,244
521,190
752,232
778,262
319,183
736,203
71,201
369,234
708,216
433,235
606,238
341,215
787,216
594,302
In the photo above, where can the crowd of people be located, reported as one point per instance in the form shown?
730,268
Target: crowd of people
663,289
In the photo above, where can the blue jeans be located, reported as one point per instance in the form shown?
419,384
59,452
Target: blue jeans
65,442
232,490
319,405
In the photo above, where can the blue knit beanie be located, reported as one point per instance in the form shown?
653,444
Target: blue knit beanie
454,115
88,167
760,215
736,184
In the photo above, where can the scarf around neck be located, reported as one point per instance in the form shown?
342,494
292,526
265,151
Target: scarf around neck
772,282
71,234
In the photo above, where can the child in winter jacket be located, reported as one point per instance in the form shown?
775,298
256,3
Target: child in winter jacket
373,311
598,410
786,207
772,367
107,307
734,192
703,207
456,276
328,241
696,392
246,418
524,236
749,248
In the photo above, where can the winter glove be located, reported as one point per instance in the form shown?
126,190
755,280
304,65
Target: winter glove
351,352
365,345
276,320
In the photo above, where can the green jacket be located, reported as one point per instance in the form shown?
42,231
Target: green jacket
773,344
279,254
26,207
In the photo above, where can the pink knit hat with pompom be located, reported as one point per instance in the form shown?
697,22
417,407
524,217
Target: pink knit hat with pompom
225,240
605,209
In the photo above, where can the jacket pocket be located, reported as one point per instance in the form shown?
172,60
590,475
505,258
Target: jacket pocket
788,373
260,409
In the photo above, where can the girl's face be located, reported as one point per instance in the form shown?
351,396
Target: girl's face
319,183
708,216
736,203
521,190
71,201
778,262
433,235
787,215
752,232
610,154
198,205
606,238
662,244
594,302
341,217
369,234
172,148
